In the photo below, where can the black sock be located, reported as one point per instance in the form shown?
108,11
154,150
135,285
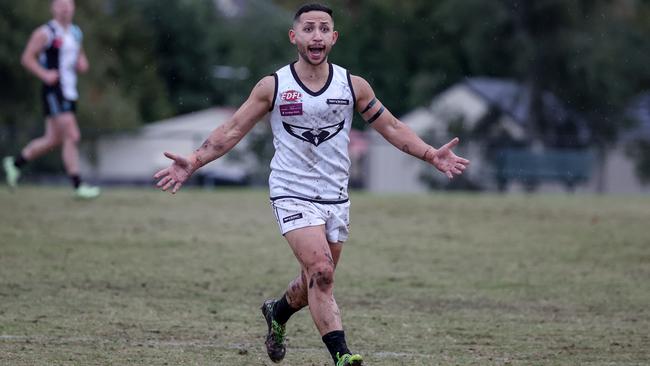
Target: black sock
282,311
19,161
76,181
335,342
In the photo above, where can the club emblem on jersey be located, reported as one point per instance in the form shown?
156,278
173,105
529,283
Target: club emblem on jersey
57,42
316,135
291,96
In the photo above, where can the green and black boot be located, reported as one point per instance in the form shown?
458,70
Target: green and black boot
275,347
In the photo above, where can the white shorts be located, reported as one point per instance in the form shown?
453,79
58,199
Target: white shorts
292,213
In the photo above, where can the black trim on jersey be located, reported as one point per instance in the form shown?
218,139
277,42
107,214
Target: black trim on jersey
354,97
305,88
275,91
370,105
379,112
324,202
51,52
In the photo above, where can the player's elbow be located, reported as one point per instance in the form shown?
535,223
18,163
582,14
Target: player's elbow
25,61
29,62
83,66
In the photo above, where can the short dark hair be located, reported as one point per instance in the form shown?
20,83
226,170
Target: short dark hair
312,7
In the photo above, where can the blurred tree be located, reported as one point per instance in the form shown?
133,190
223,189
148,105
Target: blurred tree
409,51
18,93
152,59
591,53
121,89
207,57
254,44
605,54
180,44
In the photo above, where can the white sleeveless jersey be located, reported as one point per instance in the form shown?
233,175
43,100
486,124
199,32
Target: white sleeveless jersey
61,53
311,133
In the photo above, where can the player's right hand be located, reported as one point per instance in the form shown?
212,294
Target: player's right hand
174,175
51,77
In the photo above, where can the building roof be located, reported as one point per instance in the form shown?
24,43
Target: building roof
188,125
514,99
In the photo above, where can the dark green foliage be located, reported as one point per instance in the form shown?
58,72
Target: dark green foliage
17,93
152,59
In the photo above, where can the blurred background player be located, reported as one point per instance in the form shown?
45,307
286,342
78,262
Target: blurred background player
55,55
311,103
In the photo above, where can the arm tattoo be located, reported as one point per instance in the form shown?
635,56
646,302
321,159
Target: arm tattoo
207,144
198,161
372,103
424,156
373,118
426,153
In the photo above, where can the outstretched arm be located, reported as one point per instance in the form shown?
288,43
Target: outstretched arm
221,140
401,136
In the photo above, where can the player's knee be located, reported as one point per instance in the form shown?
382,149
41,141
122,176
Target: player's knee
322,276
72,138
52,142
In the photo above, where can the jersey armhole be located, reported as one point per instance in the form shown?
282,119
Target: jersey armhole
354,97
275,90
51,34
79,35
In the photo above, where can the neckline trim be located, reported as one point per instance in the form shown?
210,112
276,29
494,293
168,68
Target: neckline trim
305,88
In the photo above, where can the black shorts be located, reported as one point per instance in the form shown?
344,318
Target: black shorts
54,103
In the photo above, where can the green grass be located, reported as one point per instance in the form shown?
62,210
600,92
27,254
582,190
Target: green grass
139,277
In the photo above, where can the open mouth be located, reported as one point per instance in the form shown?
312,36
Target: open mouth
316,51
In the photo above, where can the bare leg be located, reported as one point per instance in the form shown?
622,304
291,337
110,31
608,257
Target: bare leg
297,289
312,250
43,144
69,131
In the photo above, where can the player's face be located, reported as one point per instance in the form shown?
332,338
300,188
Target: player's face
63,10
314,35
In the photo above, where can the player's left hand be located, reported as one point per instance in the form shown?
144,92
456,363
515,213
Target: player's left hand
447,162
82,65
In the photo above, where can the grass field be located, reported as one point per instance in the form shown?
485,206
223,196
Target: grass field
139,277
